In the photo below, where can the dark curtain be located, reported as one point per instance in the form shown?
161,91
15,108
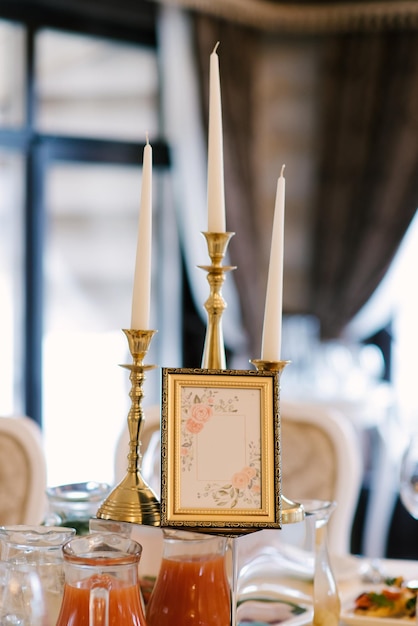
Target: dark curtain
367,187
368,176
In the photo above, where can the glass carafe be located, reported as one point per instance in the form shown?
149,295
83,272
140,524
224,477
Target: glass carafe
101,582
325,593
192,587
38,548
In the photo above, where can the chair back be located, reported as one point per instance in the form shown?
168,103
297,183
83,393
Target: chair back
321,459
22,472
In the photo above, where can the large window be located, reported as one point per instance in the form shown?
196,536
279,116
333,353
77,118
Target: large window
92,87
12,203
75,108
11,279
12,75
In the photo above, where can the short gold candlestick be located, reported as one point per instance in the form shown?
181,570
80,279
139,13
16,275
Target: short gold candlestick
214,350
132,500
291,512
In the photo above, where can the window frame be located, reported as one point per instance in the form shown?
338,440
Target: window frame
137,26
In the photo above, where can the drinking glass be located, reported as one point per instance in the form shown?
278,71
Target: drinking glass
22,601
75,504
409,477
408,489
39,549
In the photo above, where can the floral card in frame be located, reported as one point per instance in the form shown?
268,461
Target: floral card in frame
220,450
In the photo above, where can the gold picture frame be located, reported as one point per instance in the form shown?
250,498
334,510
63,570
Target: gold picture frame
220,450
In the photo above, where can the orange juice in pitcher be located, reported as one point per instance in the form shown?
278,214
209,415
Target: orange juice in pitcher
101,582
192,587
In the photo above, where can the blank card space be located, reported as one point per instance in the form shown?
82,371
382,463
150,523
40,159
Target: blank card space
221,447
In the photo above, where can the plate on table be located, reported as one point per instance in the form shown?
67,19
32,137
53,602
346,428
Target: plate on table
352,619
271,612
347,567
388,600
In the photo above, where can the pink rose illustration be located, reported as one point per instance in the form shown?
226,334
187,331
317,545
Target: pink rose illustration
250,471
194,427
201,412
255,489
240,480
184,451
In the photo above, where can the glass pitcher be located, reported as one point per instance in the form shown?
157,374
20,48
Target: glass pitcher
192,587
38,548
23,601
101,582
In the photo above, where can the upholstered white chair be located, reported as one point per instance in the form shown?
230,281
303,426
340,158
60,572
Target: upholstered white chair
321,459
22,472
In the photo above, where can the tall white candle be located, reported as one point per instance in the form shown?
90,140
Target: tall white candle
216,193
142,276
272,328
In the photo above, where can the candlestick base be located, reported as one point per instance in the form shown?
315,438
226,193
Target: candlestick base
214,350
291,512
132,500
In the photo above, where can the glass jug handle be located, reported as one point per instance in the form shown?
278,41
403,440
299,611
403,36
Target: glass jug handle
99,607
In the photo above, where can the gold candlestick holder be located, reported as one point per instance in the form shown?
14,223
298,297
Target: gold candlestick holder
132,500
214,350
291,512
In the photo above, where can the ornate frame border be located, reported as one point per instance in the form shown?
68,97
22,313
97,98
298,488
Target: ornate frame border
224,422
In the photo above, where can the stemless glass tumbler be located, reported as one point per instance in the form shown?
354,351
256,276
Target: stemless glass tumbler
23,601
38,549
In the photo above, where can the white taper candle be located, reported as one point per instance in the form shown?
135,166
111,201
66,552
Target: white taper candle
142,276
272,328
216,193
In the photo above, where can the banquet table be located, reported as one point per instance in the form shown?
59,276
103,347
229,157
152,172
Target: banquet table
351,574
285,571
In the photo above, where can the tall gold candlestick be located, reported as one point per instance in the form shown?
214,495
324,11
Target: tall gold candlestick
132,500
291,512
214,349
